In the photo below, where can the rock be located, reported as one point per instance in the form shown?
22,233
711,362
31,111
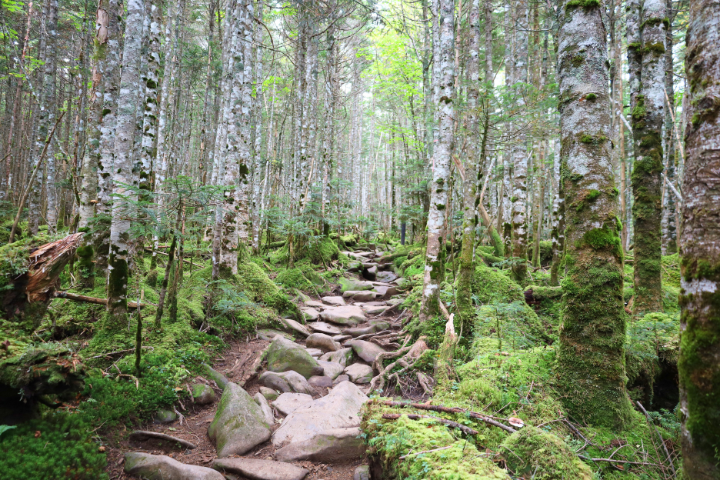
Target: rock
347,315
357,331
309,313
286,382
362,473
283,355
163,416
340,379
373,309
395,301
269,393
326,328
202,394
294,327
239,423
323,342
321,381
329,446
341,338
359,373
162,467
331,369
369,264
354,284
147,439
342,356
289,402
371,272
337,301
265,407
386,277
257,469
220,379
314,352
400,282
338,409
380,325
386,291
360,296
269,335
314,304
366,350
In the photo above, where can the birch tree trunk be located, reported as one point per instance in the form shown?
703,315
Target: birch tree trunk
122,169
591,356
51,24
670,205
700,246
150,79
434,255
328,148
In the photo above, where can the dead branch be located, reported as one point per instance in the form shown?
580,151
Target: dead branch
98,301
672,466
611,460
449,423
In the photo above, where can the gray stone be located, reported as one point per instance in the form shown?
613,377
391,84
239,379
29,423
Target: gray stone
294,327
357,331
366,350
163,416
338,409
202,394
326,328
373,309
239,423
343,356
329,446
220,379
321,381
337,301
341,338
257,469
359,373
162,441
283,355
286,382
323,342
289,402
162,467
314,304
386,277
347,315
354,284
360,296
309,313
265,407
340,379
269,335
331,369
362,473
314,352
269,393
371,273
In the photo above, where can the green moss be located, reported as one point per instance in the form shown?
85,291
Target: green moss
583,4
593,195
657,48
592,139
577,60
590,96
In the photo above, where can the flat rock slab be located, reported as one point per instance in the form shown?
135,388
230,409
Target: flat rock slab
143,438
257,469
354,284
333,445
359,373
323,342
289,402
294,327
310,313
386,276
336,301
342,356
340,379
321,381
331,369
373,309
283,355
239,423
326,328
366,350
162,467
314,352
361,296
347,315
268,334
286,382
338,409
314,304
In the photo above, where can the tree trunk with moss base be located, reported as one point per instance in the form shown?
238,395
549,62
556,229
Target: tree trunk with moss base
646,59
700,245
591,357
435,255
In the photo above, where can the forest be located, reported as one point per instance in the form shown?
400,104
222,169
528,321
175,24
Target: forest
360,239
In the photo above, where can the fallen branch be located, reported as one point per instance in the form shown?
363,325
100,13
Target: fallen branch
120,351
440,408
98,301
449,423
672,466
612,460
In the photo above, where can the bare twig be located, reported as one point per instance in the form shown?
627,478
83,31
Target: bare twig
449,423
617,461
672,466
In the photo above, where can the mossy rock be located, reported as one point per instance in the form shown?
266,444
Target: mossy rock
283,355
544,456
152,278
354,284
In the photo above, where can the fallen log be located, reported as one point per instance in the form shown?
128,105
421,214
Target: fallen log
98,301
535,294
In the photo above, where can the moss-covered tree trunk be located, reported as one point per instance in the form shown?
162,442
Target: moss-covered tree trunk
558,228
591,358
646,27
434,254
698,367
670,205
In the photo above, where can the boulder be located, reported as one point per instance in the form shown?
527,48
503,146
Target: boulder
338,409
269,393
294,327
289,402
386,277
286,382
321,381
309,313
217,377
357,331
340,379
239,423
323,342
202,394
162,467
283,355
341,338
332,369
314,352
359,373
347,315
370,272
366,350
314,304
373,309
329,446
326,328
361,296
257,469
163,416
362,473
354,284
343,356
268,334
265,407
155,440
335,301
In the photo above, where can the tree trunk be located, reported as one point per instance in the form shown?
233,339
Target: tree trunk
591,361
698,366
51,24
670,205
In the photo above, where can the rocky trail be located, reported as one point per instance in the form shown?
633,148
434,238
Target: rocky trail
286,404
